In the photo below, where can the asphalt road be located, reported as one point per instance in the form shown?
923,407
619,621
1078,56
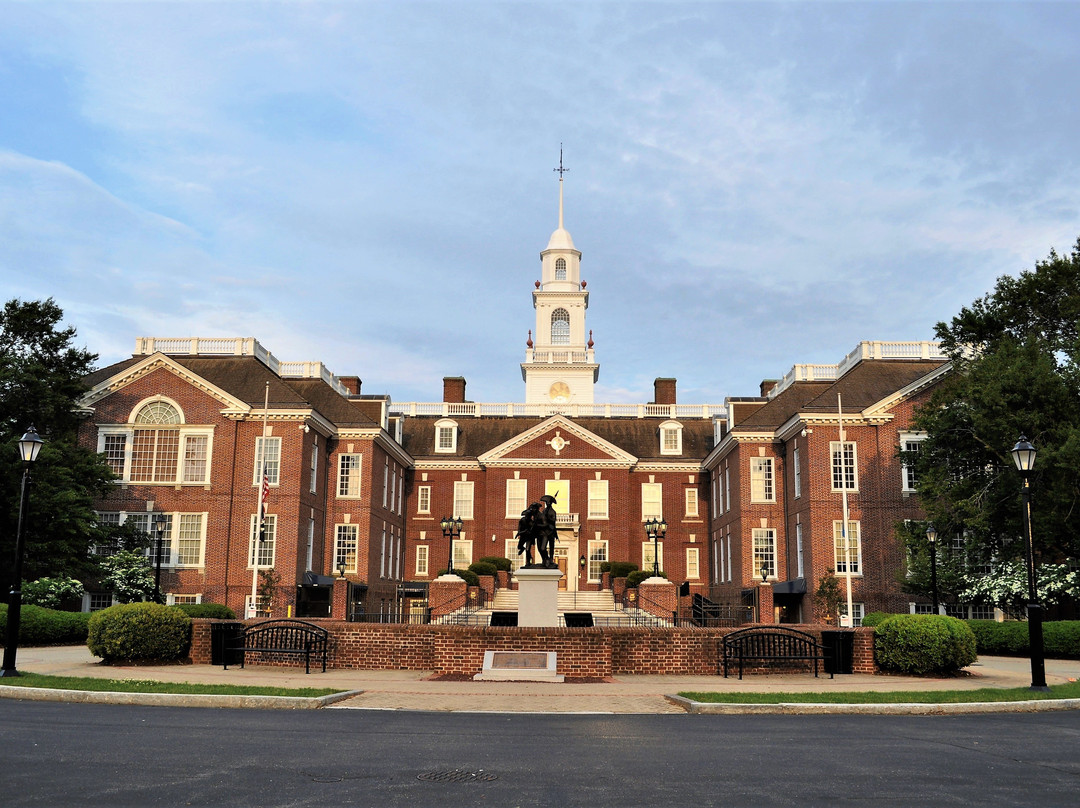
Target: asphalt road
56,754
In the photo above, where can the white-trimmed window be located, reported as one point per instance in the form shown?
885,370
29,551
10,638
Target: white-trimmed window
268,456
422,560
516,559
847,549
598,499
114,447
727,487
560,489
912,443
560,327
348,476
462,554
190,540
652,505
560,269
446,433
196,459
799,564
670,438
797,468
346,541
175,599
764,552
762,488
517,497
858,611
844,472
717,502
598,554
96,601
143,522
463,500
266,546
313,484
157,447
693,564
423,499
691,498
386,484
647,556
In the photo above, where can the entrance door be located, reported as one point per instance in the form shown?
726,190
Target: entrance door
561,556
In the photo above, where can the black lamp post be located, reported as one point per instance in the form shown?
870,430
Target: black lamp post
160,522
656,529
29,447
451,527
931,539
1024,456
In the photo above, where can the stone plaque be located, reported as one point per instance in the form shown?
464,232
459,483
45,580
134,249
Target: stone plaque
523,660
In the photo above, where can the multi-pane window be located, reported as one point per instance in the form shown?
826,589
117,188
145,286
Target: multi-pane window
598,499
847,548
761,480
190,538
560,327
798,471
423,499
647,552
348,481
268,460
670,438
517,495
422,560
166,537
462,554
154,454
909,480
560,269
717,505
463,500
560,489
345,544
844,475
265,547
446,437
313,482
195,458
652,495
858,611
100,600
800,569
516,559
764,552
598,554
691,501
693,567
115,450
110,547
727,487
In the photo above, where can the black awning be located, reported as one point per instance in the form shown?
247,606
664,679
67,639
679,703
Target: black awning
314,579
796,586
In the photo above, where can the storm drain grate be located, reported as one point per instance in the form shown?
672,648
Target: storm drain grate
458,776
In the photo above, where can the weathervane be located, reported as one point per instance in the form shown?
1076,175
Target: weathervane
560,169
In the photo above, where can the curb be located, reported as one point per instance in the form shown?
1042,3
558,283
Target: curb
175,699
911,708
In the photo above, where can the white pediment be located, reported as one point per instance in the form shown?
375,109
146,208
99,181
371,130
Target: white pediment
556,435
158,361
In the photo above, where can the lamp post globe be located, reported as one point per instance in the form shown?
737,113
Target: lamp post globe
29,447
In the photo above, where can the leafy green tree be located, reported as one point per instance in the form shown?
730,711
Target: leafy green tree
1016,371
41,374
52,593
128,575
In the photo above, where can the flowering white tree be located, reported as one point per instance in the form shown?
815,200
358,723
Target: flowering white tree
51,593
128,575
1007,588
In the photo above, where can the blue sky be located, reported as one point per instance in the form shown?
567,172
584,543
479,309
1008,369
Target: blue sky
369,184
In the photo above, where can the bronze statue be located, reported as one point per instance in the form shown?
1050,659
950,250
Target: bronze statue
537,528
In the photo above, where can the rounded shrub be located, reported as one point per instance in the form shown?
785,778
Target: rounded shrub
923,643
470,577
39,626
876,618
1062,639
622,569
139,631
637,576
483,568
215,611
501,563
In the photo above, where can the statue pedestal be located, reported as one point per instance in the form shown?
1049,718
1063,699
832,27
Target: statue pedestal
538,597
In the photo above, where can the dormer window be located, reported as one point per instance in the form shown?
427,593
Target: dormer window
670,438
560,269
446,437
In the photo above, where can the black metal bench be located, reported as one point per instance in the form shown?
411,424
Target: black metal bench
281,637
770,644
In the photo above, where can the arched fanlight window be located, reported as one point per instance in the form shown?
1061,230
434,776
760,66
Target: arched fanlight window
158,412
155,448
560,327
560,269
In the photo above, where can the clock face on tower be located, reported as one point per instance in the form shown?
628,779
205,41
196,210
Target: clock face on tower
559,393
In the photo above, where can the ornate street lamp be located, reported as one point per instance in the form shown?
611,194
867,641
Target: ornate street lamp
29,447
1024,456
160,523
931,539
451,528
764,573
656,529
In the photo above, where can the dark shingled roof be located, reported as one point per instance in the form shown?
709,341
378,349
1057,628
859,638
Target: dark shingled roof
778,410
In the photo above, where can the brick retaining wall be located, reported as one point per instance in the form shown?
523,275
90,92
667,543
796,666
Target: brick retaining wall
581,652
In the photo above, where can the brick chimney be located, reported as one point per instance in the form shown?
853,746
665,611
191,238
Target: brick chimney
453,389
351,383
767,385
664,391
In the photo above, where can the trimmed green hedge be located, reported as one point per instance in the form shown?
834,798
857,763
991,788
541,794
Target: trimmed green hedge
637,576
501,563
139,631
483,568
39,626
470,577
215,611
619,569
923,643
1061,638
875,618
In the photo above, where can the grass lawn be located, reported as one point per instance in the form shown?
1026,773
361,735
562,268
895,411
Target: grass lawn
146,686
1067,691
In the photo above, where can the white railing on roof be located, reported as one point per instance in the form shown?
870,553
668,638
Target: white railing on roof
312,370
206,346
559,357
864,350
472,409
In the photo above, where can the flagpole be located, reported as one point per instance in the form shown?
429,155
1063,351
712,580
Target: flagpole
261,512
844,523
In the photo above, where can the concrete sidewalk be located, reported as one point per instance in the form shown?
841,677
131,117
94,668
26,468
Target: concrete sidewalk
416,690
